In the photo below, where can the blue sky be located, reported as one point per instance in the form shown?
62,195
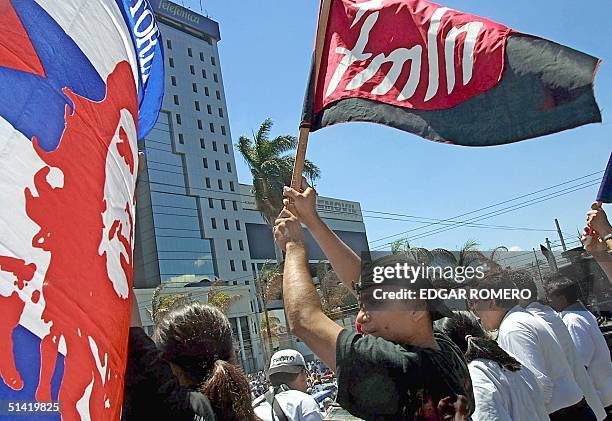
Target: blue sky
265,57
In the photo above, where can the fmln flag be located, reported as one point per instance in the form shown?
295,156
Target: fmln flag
80,81
444,75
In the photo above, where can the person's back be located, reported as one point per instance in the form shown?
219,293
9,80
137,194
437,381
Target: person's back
286,400
561,333
295,405
527,339
503,388
189,373
592,349
505,395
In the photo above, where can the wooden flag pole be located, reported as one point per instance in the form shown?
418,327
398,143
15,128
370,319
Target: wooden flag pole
300,154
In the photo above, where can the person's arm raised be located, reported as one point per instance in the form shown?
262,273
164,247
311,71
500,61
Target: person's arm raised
594,243
302,303
598,220
345,262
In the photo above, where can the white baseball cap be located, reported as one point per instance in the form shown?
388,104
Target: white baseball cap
286,361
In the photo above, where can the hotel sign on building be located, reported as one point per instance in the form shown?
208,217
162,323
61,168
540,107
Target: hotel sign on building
183,16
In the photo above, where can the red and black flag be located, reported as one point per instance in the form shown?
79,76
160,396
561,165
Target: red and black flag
444,75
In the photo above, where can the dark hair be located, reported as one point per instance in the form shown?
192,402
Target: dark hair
282,378
198,339
523,280
477,345
558,284
499,281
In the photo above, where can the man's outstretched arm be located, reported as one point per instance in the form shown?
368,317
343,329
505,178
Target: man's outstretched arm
345,262
302,303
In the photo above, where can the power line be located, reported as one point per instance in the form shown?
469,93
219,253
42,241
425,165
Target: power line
498,212
496,204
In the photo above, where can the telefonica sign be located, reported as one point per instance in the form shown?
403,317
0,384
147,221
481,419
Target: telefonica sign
185,16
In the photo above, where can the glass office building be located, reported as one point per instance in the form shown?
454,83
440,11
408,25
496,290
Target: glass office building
189,229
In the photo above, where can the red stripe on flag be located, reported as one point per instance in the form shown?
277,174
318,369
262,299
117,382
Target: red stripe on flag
16,49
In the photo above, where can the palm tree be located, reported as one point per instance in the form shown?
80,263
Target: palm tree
271,168
162,304
217,297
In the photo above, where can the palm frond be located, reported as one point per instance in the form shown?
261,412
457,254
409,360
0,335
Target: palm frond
282,144
245,147
264,131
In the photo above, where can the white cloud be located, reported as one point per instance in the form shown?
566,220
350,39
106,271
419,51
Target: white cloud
515,248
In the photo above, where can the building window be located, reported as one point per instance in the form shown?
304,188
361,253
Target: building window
207,183
232,186
171,62
212,128
235,205
203,74
213,61
169,44
201,56
229,167
226,148
213,223
202,143
194,87
221,112
217,165
226,224
223,132
223,204
197,105
200,124
211,203
192,69
178,119
209,109
237,225
220,184
206,92
215,77
205,162
176,100
181,138
241,245
214,146
173,80
232,266
244,266
229,244
189,52
219,95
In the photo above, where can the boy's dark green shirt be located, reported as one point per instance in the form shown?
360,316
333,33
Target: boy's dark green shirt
382,380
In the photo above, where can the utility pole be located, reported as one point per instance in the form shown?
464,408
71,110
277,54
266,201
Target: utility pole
261,296
560,235
548,246
538,263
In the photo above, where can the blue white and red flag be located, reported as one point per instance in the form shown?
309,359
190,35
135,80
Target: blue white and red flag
80,82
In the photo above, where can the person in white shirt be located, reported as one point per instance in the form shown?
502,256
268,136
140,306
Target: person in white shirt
592,349
287,399
527,339
557,328
504,390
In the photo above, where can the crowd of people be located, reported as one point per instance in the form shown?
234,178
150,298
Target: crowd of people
501,359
